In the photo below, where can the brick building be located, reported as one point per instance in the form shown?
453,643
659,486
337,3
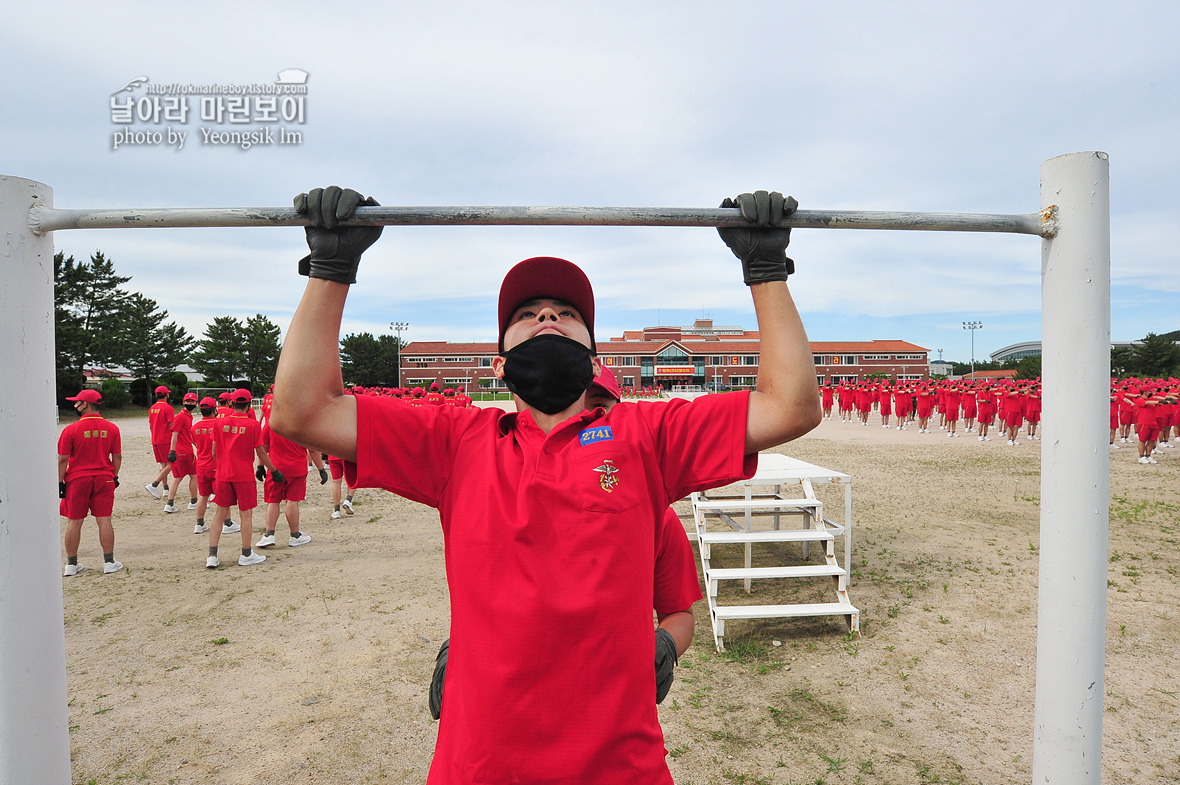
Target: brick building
702,356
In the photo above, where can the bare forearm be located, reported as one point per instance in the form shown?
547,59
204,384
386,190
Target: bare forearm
785,404
680,625
63,462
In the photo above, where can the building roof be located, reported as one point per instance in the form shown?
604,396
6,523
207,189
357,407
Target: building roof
871,347
1008,374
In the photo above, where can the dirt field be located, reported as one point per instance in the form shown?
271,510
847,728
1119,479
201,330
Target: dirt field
313,667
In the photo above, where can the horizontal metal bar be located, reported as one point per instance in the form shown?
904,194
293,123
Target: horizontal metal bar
44,219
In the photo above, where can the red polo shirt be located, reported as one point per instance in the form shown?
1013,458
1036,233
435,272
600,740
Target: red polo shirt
236,438
203,442
182,426
90,442
160,417
287,456
551,551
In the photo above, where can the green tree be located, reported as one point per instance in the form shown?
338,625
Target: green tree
1156,356
220,355
114,394
149,345
1029,367
260,352
1122,361
367,360
89,307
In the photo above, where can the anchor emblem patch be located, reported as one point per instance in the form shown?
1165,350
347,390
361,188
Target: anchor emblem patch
609,476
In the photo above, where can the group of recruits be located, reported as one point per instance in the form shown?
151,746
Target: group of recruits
980,405
1149,406
218,453
418,396
215,453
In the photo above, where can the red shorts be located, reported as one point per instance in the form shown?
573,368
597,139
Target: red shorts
184,465
94,495
1033,417
293,490
1013,419
337,467
1147,433
1114,421
161,451
205,479
243,494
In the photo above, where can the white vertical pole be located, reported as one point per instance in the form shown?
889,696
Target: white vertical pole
1075,472
34,722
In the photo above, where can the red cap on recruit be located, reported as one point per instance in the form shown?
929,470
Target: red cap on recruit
546,276
90,396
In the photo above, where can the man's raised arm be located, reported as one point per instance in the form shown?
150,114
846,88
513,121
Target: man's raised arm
310,406
785,404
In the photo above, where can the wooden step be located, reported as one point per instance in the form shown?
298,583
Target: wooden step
768,505
783,611
781,535
801,571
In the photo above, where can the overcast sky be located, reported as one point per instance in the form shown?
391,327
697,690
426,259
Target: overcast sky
869,106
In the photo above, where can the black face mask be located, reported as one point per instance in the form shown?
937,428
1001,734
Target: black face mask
549,372
190,406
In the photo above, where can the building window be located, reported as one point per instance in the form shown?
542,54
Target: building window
822,359
749,359
485,362
911,357
876,357
457,360
628,381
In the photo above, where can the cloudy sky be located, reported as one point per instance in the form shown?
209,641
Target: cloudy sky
925,106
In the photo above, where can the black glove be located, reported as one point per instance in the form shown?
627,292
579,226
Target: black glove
666,659
61,490
116,481
323,456
277,476
762,250
260,473
335,251
172,456
436,681
323,476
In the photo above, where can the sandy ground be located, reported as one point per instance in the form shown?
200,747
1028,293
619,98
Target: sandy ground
313,667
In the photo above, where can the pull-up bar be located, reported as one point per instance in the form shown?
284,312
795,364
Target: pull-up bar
46,219
1074,224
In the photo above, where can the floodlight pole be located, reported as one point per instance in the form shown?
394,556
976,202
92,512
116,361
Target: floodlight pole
397,327
34,720
972,326
1075,472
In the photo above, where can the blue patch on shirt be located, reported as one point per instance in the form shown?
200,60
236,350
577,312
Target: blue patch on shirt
599,433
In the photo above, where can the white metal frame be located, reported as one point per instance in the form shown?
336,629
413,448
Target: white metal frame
1074,225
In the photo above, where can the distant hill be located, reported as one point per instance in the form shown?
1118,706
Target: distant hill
1172,336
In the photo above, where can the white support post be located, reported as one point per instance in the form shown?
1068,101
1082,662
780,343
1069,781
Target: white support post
34,721
1075,472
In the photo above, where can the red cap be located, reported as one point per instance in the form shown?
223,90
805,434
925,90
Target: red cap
207,403
162,389
606,381
434,386
241,394
223,397
190,396
546,276
358,390
90,396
